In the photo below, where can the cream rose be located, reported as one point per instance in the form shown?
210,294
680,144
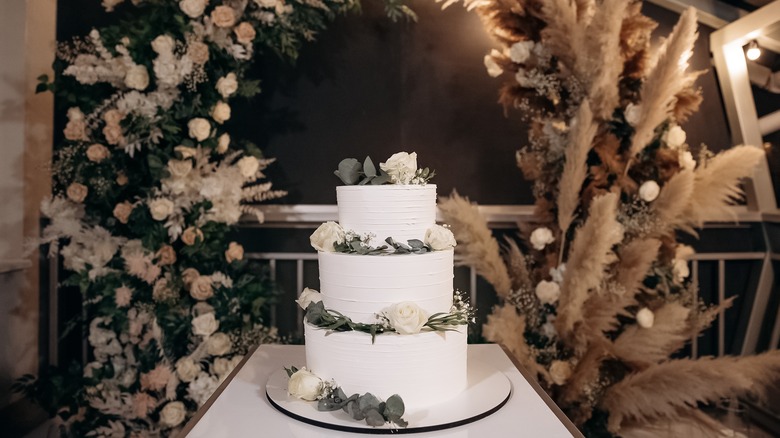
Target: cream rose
493,69
75,130
179,168
222,143
189,275
234,252
245,33
191,235
193,8
307,297
519,52
227,85
401,167
218,344
439,238
113,116
186,152
222,367
97,152
632,114
221,112
674,137
205,325
248,166
223,16
680,263
122,211
548,292
166,255
173,414
560,372
326,236
407,318
541,237
198,52
187,369
305,385
649,191
645,318
201,289
77,192
161,208
137,77
121,179
199,128
113,134
163,44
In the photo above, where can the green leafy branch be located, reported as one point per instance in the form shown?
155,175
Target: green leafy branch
356,244
366,407
351,172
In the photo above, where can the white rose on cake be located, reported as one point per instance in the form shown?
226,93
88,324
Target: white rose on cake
401,167
440,238
326,236
307,297
407,318
305,385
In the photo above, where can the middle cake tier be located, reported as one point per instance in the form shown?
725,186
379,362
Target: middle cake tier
360,286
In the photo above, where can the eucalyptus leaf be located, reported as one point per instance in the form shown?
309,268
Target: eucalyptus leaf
368,401
349,171
395,406
368,167
382,178
374,418
416,243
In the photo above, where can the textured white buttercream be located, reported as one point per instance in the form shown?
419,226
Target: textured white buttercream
424,369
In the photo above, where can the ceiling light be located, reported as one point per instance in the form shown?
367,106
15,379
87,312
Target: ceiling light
753,51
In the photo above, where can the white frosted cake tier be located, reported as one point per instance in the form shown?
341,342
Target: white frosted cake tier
360,286
402,212
424,369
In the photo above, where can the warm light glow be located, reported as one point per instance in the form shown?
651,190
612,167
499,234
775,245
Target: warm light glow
753,51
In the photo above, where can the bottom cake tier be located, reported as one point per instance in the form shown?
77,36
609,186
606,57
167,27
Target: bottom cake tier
424,369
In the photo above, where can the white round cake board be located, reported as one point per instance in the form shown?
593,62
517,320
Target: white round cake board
488,390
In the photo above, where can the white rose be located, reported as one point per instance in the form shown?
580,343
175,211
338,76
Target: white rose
221,112
199,128
519,52
401,167
186,152
439,238
97,152
179,168
407,318
493,69
305,385
674,137
649,190
227,85
173,414
201,289
548,291
686,161
307,297
161,208
137,77
541,237
248,166
218,344
193,8
632,114
205,325
645,318
187,369
222,143
560,371
326,236
222,366
163,44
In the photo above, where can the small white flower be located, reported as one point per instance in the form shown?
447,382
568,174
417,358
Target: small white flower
686,160
161,208
305,385
439,238
222,143
193,8
401,167
326,235
541,237
199,128
519,52
632,114
221,112
674,137
548,292
137,77
248,166
493,69
560,372
680,268
227,85
307,297
173,414
407,318
649,191
205,325
645,318
558,273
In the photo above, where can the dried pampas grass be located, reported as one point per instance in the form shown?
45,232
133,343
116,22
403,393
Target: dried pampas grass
716,184
516,264
564,34
575,168
636,258
475,242
590,254
666,389
674,199
506,327
643,347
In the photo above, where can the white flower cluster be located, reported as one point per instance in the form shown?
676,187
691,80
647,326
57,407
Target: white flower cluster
119,71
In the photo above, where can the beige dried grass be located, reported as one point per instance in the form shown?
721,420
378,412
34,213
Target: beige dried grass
575,169
643,347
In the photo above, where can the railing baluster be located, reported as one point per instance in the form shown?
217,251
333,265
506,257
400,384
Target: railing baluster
299,288
695,281
722,313
272,274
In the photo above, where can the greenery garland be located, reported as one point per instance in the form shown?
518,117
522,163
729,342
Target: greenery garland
148,185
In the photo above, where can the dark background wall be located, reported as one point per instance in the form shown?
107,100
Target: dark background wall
368,86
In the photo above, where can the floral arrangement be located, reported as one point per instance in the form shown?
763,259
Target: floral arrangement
406,318
332,237
148,184
305,385
598,299
400,168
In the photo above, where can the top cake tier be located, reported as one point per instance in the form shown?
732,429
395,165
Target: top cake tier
402,212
